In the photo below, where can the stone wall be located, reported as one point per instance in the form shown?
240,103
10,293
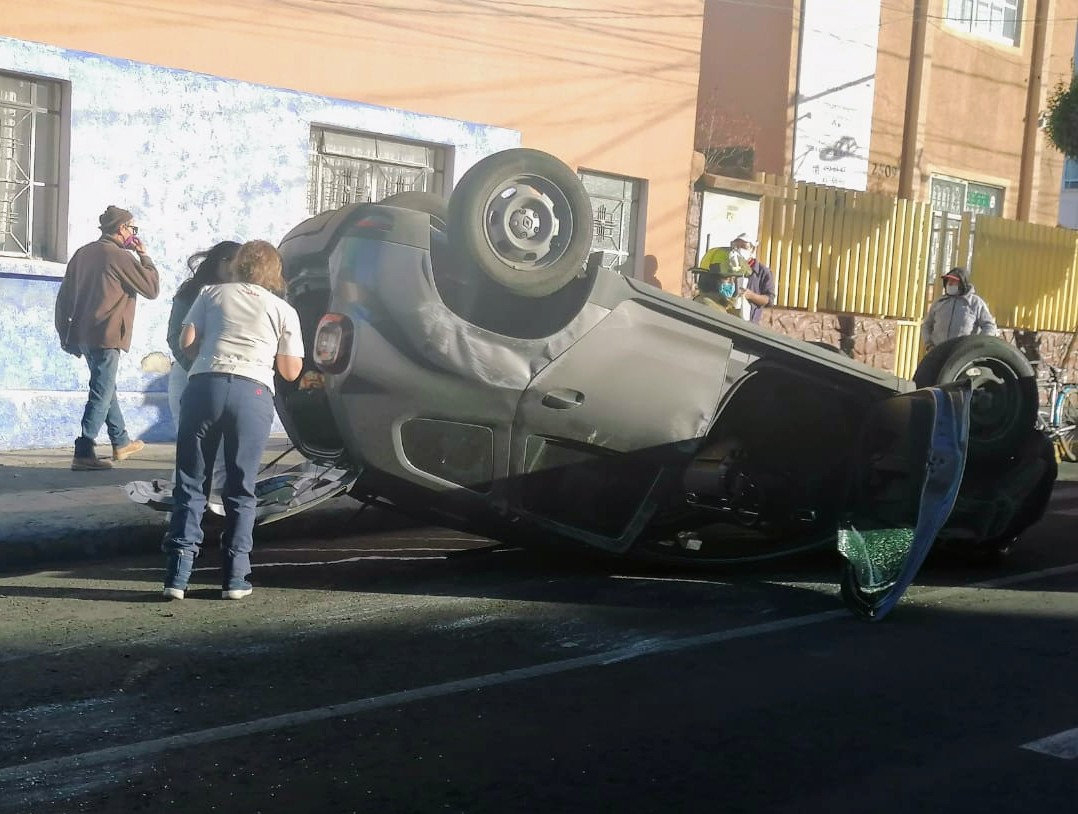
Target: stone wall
865,339
872,341
692,237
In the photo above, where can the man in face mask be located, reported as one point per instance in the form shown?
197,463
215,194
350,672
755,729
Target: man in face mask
95,314
754,281
759,286
718,287
958,312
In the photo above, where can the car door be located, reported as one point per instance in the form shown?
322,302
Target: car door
600,431
909,470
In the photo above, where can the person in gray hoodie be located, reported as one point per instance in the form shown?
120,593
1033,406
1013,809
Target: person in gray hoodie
958,312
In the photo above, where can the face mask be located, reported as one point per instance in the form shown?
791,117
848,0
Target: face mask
727,290
951,289
129,241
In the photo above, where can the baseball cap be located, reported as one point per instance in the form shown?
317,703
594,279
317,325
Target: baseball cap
746,238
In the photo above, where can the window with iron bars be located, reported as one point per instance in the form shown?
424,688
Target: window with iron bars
32,183
992,19
349,167
615,210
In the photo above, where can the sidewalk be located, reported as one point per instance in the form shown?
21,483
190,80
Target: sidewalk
49,513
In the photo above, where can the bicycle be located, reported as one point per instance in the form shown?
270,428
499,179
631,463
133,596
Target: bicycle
1058,419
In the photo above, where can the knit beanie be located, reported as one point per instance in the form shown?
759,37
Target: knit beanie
112,219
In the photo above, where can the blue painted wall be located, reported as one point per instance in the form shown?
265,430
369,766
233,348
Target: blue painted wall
197,159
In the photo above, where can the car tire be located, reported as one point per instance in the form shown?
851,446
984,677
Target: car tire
524,218
1005,398
1068,441
427,202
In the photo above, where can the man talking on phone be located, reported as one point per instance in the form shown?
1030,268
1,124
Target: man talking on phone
95,314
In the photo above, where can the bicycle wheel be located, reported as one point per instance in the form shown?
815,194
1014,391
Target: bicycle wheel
1068,417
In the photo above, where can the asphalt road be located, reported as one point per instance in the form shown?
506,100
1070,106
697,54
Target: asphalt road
384,668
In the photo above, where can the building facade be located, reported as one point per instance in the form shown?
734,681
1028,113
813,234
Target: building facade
935,101
1068,196
932,100
237,120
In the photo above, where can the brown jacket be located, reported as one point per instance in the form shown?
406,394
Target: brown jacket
96,303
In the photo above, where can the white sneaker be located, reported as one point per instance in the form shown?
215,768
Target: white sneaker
172,593
236,593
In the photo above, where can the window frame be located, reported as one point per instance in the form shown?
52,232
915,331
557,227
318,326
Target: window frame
962,15
48,247
440,172
632,257
1070,174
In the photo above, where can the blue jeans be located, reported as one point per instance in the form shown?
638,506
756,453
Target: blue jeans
177,382
102,406
216,409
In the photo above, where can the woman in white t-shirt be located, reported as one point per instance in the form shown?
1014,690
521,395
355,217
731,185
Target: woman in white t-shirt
237,333
207,268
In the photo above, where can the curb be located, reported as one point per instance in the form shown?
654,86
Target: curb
57,547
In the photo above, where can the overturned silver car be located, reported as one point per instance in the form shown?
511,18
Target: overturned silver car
469,363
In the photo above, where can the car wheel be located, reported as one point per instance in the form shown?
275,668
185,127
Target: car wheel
524,218
1068,441
427,202
1004,407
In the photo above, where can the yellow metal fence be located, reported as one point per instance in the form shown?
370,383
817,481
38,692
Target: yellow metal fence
851,252
841,251
1027,273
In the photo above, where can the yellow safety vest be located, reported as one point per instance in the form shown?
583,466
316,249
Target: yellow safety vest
718,303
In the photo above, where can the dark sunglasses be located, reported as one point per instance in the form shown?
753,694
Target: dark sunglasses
134,229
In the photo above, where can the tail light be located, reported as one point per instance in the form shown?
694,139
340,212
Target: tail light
333,343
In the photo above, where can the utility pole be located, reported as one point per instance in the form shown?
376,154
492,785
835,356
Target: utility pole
1033,110
912,118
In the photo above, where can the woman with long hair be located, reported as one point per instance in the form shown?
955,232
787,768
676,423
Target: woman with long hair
237,334
207,268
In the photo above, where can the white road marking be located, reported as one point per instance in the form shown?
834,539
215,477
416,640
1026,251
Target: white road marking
156,746
366,550
315,563
635,578
318,563
1062,745
369,554
1063,741
1028,576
